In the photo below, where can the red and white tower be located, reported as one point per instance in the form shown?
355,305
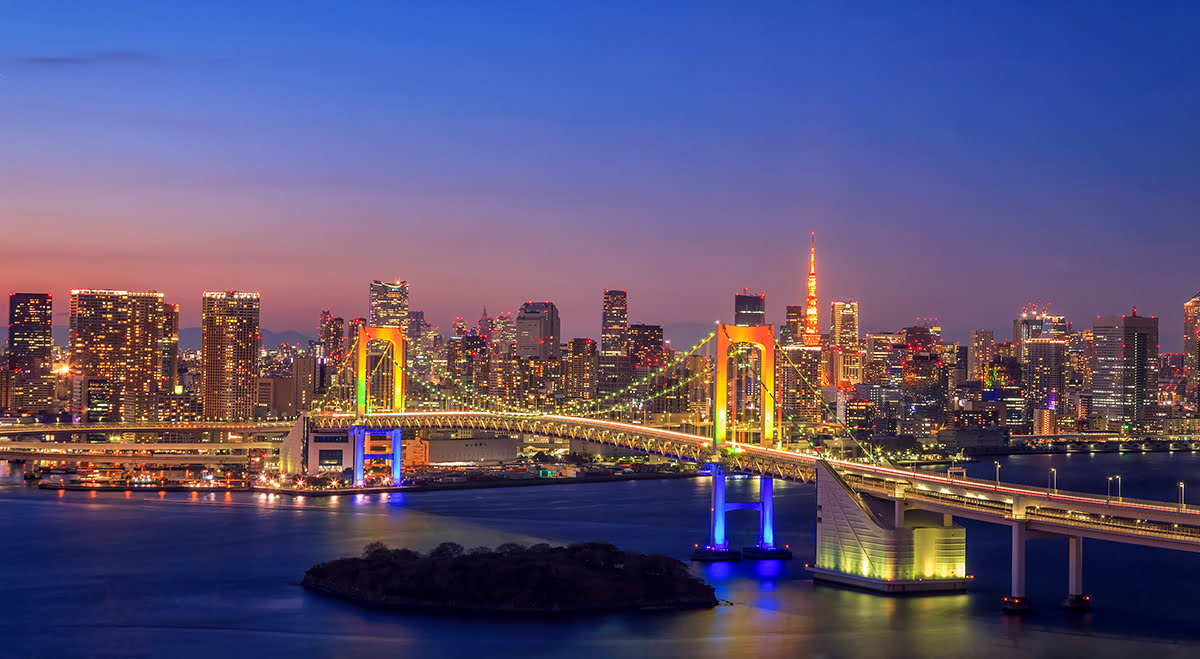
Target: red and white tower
812,332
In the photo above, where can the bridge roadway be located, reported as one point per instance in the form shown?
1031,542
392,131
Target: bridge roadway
247,427
129,453
1043,511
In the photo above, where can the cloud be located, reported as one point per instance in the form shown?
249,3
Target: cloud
99,57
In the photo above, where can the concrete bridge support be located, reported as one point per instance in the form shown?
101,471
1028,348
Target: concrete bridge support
1016,601
717,548
1076,600
359,435
879,545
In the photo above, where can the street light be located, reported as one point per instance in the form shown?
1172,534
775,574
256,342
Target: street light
997,475
1052,480
1181,495
1108,497
1118,477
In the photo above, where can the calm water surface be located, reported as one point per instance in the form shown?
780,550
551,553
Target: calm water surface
91,574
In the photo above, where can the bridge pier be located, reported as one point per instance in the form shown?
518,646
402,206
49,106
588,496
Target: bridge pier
397,458
881,545
717,548
1076,600
359,435
765,549
1016,602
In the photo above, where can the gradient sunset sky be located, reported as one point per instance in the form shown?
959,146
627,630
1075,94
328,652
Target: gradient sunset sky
955,159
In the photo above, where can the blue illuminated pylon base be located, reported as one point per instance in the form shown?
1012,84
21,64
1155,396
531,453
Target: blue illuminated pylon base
714,555
761,553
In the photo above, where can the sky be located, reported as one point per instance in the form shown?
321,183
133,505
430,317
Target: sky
955,160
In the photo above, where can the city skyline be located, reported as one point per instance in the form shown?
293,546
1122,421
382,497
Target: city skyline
946,177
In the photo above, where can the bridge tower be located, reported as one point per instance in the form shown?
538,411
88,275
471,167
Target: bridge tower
728,337
359,433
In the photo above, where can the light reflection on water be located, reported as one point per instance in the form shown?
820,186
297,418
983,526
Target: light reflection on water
159,573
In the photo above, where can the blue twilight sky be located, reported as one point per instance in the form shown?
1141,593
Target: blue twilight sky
955,159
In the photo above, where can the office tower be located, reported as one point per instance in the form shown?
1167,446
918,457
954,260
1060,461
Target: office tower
1044,373
29,352
812,329
5,389
389,304
230,344
504,336
460,326
749,310
331,337
614,323
127,338
646,346
537,328
792,331
798,381
843,323
980,354
355,325
581,370
92,399
169,348
1191,347
485,326
307,379
1125,367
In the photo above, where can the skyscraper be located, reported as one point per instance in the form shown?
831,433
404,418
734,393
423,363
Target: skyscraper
1125,367
581,375
538,331
980,354
130,339
229,350
749,310
331,335
843,323
29,352
1044,373
1191,346
812,329
646,346
389,304
792,331
614,324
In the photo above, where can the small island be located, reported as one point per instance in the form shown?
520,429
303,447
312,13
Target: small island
589,577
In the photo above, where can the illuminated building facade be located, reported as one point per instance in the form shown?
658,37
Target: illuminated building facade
646,346
749,310
230,344
130,339
538,331
980,353
331,336
388,304
792,331
1191,347
1125,367
30,345
843,324
581,367
614,323
1044,374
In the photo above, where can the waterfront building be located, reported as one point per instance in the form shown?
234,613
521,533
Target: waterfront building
1043,374
129,338
537,329
30,359
230,344
749,310
1191,347
1125,367
614,323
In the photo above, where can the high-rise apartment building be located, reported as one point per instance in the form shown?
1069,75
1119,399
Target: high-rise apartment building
229,351
31,383
646,346
843,323
614,323
130,339
1124,367
980,353
538,331
1043,373
1191,346
331,336
749,310
581,370
389,304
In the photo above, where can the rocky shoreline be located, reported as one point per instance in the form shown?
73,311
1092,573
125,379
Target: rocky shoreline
582,578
